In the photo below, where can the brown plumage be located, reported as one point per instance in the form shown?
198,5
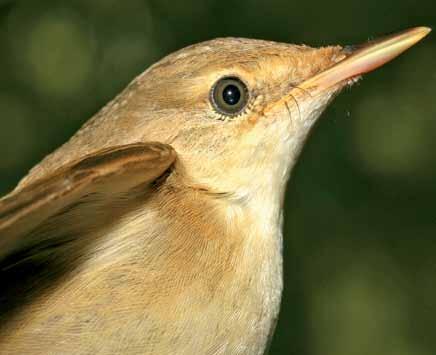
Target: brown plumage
157,228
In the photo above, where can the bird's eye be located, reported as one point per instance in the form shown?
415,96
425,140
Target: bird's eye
229,96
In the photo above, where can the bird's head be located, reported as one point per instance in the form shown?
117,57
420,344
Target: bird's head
237,111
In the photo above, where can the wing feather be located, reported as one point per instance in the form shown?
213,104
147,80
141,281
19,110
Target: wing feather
108,171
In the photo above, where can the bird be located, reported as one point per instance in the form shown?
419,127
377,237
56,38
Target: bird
157,228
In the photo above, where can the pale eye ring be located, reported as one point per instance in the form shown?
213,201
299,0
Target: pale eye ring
229,96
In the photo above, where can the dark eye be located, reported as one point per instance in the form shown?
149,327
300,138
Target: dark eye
229,96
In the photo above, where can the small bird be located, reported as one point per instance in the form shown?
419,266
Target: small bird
157,228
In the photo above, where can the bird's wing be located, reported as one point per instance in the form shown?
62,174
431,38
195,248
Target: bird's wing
109,171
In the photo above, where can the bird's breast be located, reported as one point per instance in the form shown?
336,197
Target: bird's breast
176,274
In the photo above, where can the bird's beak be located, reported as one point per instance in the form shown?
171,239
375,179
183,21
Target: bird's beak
363,59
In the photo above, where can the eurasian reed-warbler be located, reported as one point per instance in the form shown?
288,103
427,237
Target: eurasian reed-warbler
156,229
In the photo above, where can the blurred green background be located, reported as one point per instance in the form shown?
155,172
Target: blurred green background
360,231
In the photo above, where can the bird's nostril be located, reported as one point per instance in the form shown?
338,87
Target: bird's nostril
347,50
